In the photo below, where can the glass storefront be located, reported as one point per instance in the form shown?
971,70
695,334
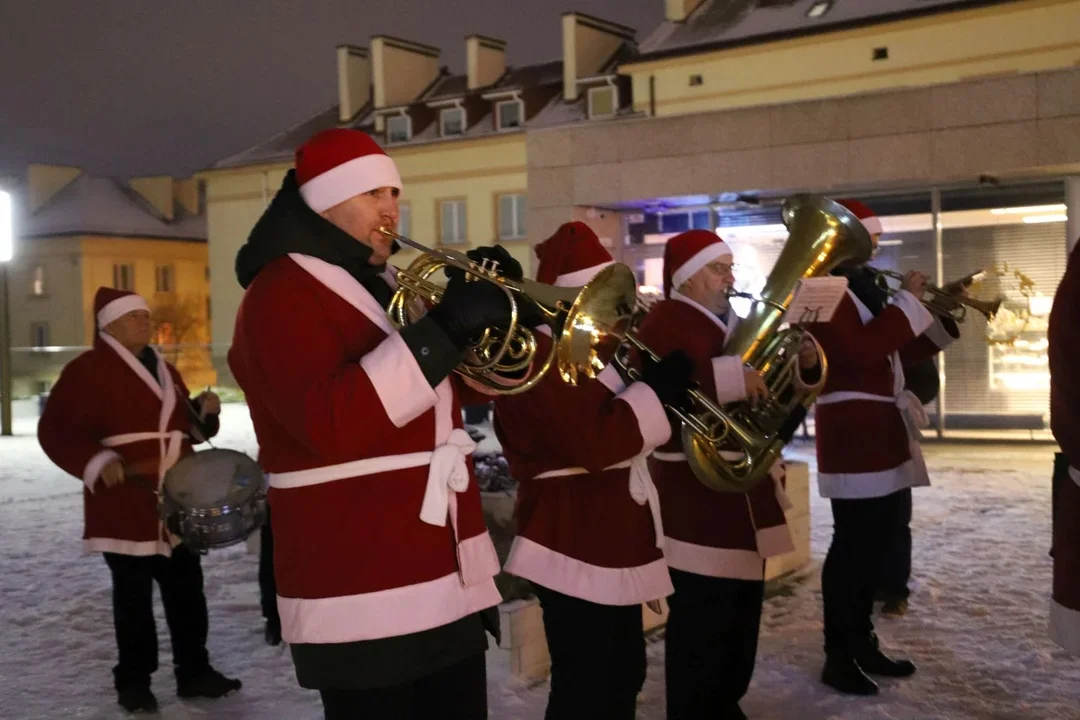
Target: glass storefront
996,375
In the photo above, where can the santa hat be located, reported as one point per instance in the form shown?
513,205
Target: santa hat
571,257
337,164
111,304
869,220
688,252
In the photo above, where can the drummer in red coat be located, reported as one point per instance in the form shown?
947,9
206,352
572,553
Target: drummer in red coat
1064,338
589,531
382,560
868,341
119,417
717,542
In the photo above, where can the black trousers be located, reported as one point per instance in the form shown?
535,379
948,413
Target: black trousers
711,644
181,582
597,657
862,533
895,569
457,692
267,584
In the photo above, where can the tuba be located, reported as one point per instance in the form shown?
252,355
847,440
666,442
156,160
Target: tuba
587,323
733,447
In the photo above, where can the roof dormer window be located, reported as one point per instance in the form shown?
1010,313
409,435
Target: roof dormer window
603,101
398,129
452,121
509,114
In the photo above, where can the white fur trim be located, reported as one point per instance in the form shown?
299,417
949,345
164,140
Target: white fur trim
702,258
729,377
652,420
593,583
1065,627
918,316
119,307
93,469
398,381
350,179
714,562
857,486
610,378
774,541
1074,473
140,548
872,225
385,613
346,287
580,277
939,334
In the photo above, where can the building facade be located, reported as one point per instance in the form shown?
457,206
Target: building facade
77,233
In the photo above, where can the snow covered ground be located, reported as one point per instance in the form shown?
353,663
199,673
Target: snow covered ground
976,628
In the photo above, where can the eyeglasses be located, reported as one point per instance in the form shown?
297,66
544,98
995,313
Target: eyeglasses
724,268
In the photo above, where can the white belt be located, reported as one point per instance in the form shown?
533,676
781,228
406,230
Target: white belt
447,471
911,408
169,445
642,488
781,494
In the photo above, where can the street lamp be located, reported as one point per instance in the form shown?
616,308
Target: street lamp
7,250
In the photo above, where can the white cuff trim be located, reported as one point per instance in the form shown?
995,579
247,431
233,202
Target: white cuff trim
918,316
939,335
611,379
93,469
399,381
729,378
652,419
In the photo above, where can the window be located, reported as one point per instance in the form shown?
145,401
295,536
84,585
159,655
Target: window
398,129
509,114
164,281
452,121
123,277
39,335
405,219
37,281
512,217
603,101
451,222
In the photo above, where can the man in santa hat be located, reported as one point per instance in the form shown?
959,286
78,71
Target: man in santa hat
122,456
1064,338
717,542
868,341
383,564
589,534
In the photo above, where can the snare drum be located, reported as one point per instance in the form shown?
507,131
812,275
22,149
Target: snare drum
214,498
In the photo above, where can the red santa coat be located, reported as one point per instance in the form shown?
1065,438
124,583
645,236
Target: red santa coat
717,534
864,396
82,432
378,527
1064,350
588,516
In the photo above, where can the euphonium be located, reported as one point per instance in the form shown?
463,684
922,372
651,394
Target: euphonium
943,303
588,323
731,448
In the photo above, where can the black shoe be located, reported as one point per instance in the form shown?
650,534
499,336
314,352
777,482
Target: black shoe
875,662
138,699
208,684
273,632
842,673
732,712
894,607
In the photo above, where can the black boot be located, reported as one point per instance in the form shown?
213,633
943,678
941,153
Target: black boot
273,631
842,673
209,684
875,662
137,699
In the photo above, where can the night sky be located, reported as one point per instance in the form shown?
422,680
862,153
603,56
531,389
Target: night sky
139,87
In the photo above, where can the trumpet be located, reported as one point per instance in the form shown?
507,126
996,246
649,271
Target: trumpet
943,303
588,323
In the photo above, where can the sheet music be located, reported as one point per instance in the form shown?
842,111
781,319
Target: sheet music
816,299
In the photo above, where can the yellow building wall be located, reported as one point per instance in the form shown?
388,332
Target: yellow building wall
479,171
186,308
1013,38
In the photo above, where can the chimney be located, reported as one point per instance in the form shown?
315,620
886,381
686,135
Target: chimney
353,80
589,43
401,70
186,194
679,10
44,181
158,191
485,60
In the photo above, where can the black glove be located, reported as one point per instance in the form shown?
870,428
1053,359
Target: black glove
468,308
670,379
508,267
